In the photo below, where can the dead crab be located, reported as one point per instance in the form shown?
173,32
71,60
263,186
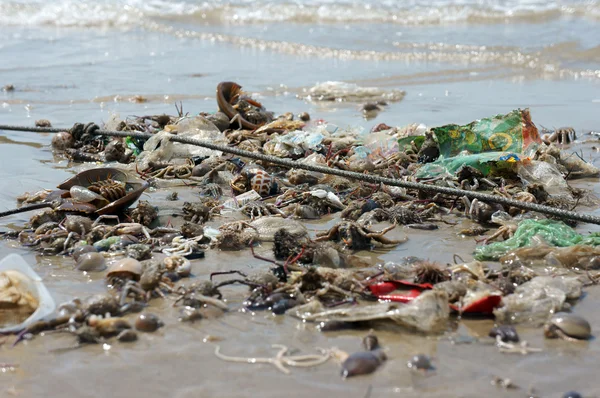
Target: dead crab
397,214
199,294
562,135
357,237
523,196
211,189
144,213
508,226
322,200
152,281
256,209
479,211
236,236
199,212
170,171
46,216
470,178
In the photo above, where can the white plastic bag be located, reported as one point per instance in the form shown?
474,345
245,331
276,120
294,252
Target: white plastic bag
15,264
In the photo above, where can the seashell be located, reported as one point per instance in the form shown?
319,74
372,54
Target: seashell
82,194
127,336
507,333
572,394
148,323
21,287
128,266
362,363
262,182
80,250
92,261
570,325
105,244
420,362
62,141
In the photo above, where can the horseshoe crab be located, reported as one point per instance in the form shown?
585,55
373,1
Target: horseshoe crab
118,188
23,297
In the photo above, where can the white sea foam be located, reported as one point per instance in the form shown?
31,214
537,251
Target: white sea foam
126,13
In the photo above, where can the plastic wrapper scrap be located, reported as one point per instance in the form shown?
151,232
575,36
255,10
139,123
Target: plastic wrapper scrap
404,292
530,232
428,312
513,132
534,301
496,164
160,148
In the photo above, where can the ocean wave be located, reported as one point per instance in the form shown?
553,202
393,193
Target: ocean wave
128,13
542,63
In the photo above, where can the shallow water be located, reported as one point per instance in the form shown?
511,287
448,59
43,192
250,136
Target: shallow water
74,61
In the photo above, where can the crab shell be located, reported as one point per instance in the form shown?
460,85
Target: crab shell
134,186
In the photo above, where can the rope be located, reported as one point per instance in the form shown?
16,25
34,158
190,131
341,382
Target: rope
374,179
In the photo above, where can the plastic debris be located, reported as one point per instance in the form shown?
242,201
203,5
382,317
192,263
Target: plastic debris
428,312
21,290
555,233
159,148
239,201
488,163
546,175
534,301
399,291
513,132
340,91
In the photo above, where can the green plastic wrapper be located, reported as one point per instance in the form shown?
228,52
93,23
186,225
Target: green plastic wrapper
513,132
134,144
498,164
555,233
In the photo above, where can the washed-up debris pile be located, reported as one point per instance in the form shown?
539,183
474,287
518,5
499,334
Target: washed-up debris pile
540,265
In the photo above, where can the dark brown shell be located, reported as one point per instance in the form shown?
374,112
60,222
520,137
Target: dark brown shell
110,177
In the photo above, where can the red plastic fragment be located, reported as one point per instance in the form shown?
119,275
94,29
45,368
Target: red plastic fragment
408,291
485,305
401,298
